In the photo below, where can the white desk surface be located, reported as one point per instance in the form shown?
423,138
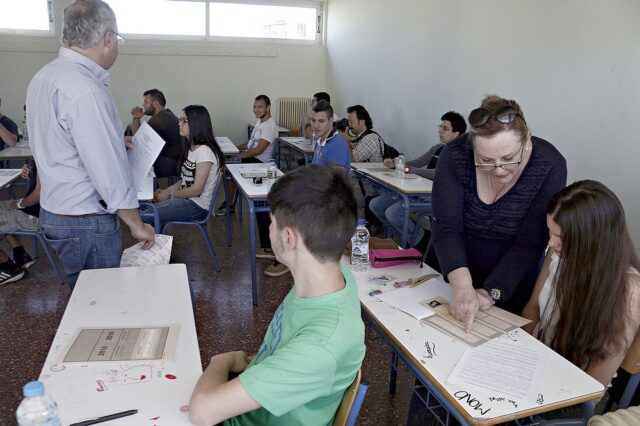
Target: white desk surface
226,146
411,184
564,383
247,186
8,175
148,295
21,150
301,144
146,192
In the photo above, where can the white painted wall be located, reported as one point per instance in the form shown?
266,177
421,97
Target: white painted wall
573,65
225,77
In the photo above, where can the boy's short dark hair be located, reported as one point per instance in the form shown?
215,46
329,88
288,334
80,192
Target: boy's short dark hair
156,95
457,121
324,106
319,203
322,96
264,98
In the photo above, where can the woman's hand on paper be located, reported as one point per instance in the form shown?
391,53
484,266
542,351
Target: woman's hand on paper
485,300
464,305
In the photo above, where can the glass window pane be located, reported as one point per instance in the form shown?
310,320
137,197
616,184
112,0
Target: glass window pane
252,20
24,15
160,17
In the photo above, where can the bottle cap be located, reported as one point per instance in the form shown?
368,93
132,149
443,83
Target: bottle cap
31,389
360,222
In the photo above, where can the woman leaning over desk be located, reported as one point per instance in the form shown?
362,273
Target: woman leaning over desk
586,302
490,193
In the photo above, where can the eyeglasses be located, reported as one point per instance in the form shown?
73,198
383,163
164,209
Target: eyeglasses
183,120
444,128
510,166
506,114
119,37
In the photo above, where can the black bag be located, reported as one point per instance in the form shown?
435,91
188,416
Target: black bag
386,150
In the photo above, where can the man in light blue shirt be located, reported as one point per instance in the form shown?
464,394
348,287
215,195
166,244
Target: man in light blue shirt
77,142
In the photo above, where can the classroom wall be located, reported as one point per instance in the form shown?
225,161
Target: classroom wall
573,65
225,77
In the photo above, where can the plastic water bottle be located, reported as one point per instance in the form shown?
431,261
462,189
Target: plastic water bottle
272,171
360,248
400,167
37,408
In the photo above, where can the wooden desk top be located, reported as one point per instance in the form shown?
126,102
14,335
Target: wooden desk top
21,150
301,144
226,146
246,185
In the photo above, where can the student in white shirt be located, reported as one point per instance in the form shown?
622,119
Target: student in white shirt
189,199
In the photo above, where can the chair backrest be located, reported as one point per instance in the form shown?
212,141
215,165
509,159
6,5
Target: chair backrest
351,403
214,194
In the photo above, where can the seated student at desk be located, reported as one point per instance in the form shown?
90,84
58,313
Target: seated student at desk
586,302
330,148
8,131
189,199
314,345
388,208
21,214
490,194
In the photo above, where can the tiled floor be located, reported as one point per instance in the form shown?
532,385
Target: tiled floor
31,309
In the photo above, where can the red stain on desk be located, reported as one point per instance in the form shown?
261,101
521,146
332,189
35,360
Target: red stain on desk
184,409
170,376
142,377
154,418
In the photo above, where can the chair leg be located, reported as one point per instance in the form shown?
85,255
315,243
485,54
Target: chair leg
629,391
36,253
212,251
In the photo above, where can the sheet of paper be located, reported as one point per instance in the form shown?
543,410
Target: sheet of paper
408,299
147,145
159,254
120,344
145,192
487,325
502,368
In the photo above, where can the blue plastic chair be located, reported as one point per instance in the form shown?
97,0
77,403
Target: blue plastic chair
202,224
351,404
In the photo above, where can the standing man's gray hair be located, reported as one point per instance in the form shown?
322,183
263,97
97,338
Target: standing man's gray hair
86,22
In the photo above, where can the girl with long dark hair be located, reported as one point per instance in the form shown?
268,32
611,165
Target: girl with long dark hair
586,301
200,164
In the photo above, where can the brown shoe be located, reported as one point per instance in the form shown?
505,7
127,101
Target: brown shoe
276,269
265,253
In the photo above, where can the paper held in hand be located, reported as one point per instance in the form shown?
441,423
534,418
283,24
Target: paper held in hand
147,145
487,325
159,254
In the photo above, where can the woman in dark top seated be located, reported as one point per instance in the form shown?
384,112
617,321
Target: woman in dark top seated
490,194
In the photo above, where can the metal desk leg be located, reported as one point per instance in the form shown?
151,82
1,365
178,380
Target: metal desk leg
393,374
252,250
228,206
405,225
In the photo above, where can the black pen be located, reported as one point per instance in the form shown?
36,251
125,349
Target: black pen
105,418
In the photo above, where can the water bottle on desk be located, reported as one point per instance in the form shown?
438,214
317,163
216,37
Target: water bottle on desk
360,248
272,171
400,167
37,408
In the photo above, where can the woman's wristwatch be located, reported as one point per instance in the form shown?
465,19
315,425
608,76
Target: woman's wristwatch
495,293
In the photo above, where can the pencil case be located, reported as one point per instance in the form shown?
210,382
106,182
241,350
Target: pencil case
381,258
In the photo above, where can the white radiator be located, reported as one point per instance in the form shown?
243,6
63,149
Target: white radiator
291,111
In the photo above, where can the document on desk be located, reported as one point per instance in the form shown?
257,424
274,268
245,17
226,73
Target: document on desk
147,145
159,254
487,325
408,299
118,344
502,367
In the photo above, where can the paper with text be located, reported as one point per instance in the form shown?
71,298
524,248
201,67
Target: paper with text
407,299
147,145
502,367
159,254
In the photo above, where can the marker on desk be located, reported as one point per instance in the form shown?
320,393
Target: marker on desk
105,418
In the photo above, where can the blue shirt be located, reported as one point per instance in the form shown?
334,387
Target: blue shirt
76,138
334,151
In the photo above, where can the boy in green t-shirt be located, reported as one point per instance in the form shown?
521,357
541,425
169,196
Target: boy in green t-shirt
314,345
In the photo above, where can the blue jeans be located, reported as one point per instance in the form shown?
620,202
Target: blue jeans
83,242
389,210
175,209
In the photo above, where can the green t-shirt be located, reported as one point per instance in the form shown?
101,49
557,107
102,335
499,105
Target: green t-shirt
311,353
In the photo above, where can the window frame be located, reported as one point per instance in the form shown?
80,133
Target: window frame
33,32
319,5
